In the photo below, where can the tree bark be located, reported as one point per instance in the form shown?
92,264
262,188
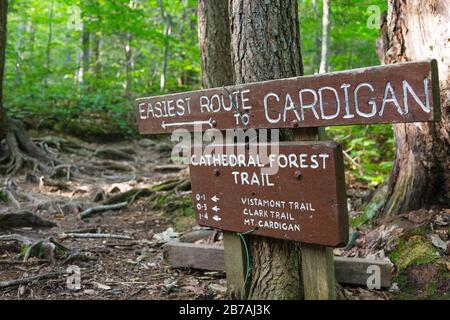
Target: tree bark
167,20
3,19
85,52
325,36
214,41
214,36
416,30
265,45
129,65
48,58
20,149
96,64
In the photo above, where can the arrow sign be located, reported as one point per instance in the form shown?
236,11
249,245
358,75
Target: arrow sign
397,93
217,218
216,208
215,198
165,125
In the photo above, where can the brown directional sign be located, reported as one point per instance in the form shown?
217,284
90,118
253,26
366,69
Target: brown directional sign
295,191
405,92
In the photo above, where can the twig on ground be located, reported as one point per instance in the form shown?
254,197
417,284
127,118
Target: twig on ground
94,236
95,210
18,238
18,282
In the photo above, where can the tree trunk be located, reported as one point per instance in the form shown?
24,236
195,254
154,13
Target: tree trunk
416,30
96,64
265,45
128,64
214,35
167,20
325,36
3,18
214,41
49,43
20,149
85,52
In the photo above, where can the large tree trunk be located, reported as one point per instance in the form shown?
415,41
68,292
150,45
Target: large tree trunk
20,149
265,45
214,36
3,16
325,36
214,41
416,30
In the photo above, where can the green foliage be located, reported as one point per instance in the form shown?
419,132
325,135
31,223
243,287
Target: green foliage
371,149
352,45
44,73
45,77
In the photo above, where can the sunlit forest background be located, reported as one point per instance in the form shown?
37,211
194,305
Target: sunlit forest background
75,67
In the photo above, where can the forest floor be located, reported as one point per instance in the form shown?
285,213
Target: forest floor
130,266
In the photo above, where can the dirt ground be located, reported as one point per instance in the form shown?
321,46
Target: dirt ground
131,268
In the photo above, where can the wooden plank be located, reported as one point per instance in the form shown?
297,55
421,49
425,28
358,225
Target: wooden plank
404,92
210,257
196,256
318,272
356,270
318,275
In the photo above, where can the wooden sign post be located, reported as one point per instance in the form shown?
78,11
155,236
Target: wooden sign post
305,199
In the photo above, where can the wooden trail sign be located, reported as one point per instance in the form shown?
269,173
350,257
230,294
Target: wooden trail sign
404,92
303,200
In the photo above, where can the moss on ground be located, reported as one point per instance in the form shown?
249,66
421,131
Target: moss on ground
421,272
415,250
171,199
3,198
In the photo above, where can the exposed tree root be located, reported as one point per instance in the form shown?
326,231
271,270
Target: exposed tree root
70,145
23,219
21,152
113,154
129,196
18,238
46,249
95,210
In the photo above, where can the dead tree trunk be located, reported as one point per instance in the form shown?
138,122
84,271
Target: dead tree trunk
265,45
416,30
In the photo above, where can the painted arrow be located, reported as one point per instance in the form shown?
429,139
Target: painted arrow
215,198
216,208
217,218
187,123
